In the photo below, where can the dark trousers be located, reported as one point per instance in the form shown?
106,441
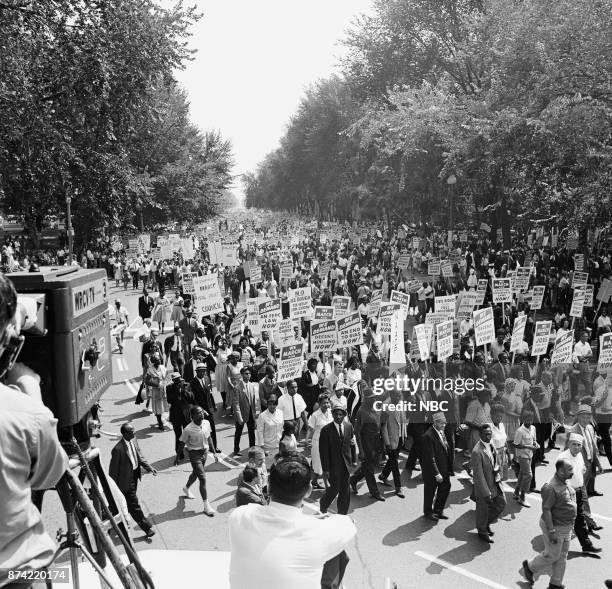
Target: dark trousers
338,487
177,359
238,433
603,429
198,460
177,426
392,467
366,471
135,277
435,494
589,476
133,505
580,523
416,450
487,511
213,430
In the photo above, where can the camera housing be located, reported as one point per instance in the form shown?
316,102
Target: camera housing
67,340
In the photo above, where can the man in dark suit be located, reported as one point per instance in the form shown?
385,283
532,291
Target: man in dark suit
173,349
180,399
126,462
202,395
145,305
189,326
335,443
487,491
437,467
393,426
246,408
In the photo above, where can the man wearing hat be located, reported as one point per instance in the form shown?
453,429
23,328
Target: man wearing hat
202,394
573,455
590,453
188,325
437,466
246,408
180,400
367,433
335,442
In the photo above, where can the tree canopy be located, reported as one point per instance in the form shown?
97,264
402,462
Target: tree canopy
510,97
89,109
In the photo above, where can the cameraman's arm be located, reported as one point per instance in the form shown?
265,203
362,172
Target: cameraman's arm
24,379
48,459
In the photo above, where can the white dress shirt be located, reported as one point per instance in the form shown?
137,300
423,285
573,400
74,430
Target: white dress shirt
286,404
270,429
277,546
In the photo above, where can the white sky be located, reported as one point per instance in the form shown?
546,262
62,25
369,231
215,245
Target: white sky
254,60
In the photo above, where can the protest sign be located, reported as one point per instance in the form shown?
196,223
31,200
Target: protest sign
502,290
446,304
300,302
562,352
537,297
579,262
444,333
323,336
322,313
604,364
579,279
374,305
433,267
518,330
229,254
270,314
254,273
253,316
403,261
144,243
207,294
446,268
402,298
424,333
484,326
463,236
187,248
290,362
577,303
349,330
237,323
286,271
541,338
385,316
604,291
482,284
341,306
284,334
521,281
467,301
188,277
214,252
397,353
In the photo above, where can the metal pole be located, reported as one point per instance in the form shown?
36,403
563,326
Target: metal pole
69,230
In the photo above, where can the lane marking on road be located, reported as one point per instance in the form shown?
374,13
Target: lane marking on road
122,364
459,570
538,498
130,385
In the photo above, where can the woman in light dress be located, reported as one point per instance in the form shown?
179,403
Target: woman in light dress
156,380
319,418
177,308
162,310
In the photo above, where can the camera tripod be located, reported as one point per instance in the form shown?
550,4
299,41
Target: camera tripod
83,513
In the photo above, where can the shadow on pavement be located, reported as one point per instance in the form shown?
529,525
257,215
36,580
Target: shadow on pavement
410,532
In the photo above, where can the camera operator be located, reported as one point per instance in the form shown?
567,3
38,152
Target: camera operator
31,457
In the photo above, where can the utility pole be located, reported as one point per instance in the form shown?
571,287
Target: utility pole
69,230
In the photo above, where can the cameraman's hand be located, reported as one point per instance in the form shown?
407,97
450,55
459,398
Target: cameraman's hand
25,379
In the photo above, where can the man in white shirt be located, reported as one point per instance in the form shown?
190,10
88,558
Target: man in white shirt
120,321
573,455
293,407
260,533
581,357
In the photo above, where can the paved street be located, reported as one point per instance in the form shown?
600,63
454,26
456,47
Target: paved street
394,541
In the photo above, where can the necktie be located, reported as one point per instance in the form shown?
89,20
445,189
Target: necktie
293,402
443,440
340,431
133,453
